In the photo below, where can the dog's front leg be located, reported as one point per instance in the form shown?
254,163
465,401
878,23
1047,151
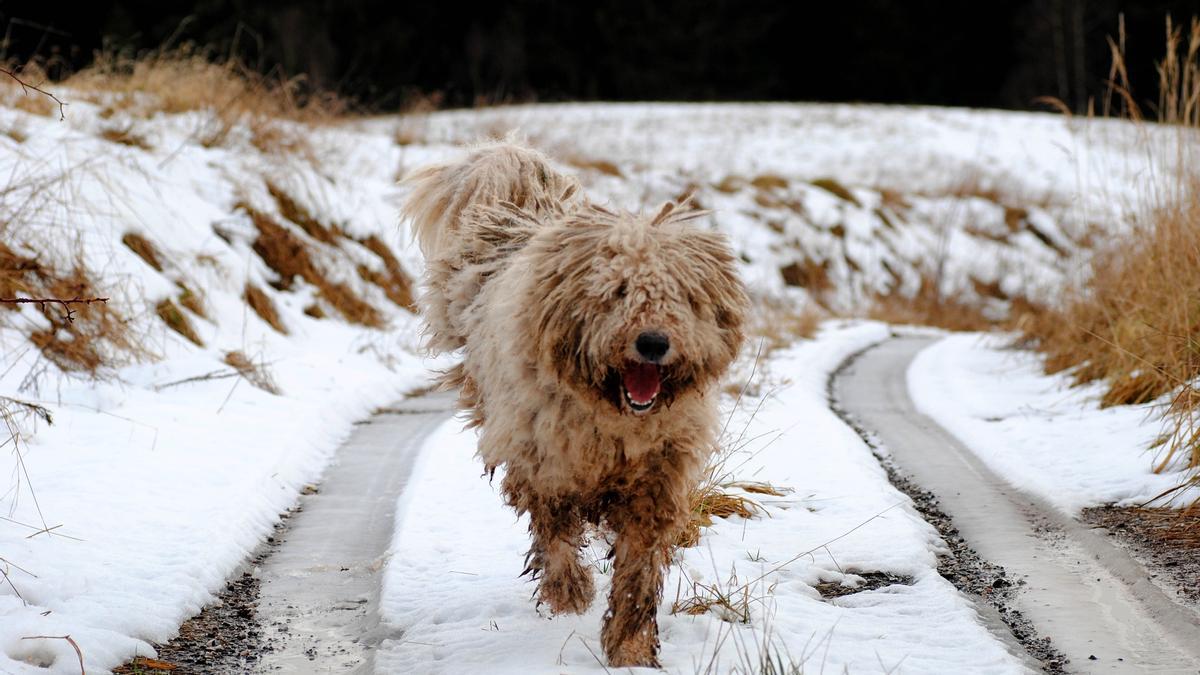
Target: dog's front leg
565,583
645,524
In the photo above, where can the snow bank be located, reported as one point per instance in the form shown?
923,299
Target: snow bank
1036,430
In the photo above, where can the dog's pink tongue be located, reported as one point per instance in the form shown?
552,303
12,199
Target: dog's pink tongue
641,381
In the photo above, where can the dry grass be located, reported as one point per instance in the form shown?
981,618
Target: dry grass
264,307
188,78
1135,323
177,321
728,600
837,190
598,165
144,249
191,300
125,136
255,373
395,283
930,307
287,253
720,493
809,274
79,338
777,324
289,208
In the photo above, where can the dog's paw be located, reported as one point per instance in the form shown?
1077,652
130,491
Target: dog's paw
569,591
633,653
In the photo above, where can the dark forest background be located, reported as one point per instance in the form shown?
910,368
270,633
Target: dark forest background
384,53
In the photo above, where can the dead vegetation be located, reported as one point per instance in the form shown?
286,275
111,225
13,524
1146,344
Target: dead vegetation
264,307
929,306
177,321
776,324
288,254
126,136
255,373
186,78
77,333
1134,325
838,190
231,95
720,493
144,249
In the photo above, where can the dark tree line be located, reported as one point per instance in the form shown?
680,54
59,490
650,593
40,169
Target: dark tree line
998,54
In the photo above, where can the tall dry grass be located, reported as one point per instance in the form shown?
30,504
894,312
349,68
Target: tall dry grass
1134,325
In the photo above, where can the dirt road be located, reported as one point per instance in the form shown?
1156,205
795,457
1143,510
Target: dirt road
1096,604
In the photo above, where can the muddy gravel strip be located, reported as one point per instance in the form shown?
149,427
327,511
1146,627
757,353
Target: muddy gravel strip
1067,595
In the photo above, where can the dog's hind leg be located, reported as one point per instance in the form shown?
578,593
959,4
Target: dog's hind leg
564,582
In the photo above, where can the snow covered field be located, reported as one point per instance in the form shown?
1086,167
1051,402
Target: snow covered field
161,473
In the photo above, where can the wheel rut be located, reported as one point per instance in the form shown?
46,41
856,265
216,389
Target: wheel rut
307,600
1044,583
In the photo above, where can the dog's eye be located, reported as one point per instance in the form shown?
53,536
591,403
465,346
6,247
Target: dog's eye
620,292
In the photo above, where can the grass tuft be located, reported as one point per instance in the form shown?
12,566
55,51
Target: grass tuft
82,337
930,307
264,307
255,373
177,321
288,254
837,190
144,249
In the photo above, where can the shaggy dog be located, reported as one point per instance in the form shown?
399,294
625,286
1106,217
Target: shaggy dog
592,342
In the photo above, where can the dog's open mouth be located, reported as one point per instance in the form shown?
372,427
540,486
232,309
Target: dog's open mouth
641,383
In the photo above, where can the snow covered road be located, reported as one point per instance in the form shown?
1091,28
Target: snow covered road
319,592
1095,603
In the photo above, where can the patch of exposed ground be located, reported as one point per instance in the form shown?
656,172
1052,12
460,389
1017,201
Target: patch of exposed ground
1165,541
961,565
872,581
226,636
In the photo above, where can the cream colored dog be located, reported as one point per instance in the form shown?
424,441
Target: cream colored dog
593,342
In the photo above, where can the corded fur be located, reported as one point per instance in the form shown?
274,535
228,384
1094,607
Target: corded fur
546,294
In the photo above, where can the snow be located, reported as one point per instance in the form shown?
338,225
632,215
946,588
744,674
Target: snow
158,488
452,587
1036,430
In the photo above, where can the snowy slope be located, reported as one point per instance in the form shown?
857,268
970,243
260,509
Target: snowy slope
848,201
157,487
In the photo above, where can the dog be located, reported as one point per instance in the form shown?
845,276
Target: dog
593,342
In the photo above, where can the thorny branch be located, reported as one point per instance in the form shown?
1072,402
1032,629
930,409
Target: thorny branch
42,302
25,86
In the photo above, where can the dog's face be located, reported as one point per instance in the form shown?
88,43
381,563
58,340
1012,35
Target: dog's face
633,313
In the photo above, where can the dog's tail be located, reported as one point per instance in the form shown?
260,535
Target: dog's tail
468,217
444,196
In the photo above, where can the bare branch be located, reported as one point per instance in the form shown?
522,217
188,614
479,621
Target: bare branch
69,640
25,86
42,302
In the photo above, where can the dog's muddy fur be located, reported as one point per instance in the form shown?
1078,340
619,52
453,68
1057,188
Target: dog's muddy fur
593,341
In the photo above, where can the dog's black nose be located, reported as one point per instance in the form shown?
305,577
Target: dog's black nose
652,345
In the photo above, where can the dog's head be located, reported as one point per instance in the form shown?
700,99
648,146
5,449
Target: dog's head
634,312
